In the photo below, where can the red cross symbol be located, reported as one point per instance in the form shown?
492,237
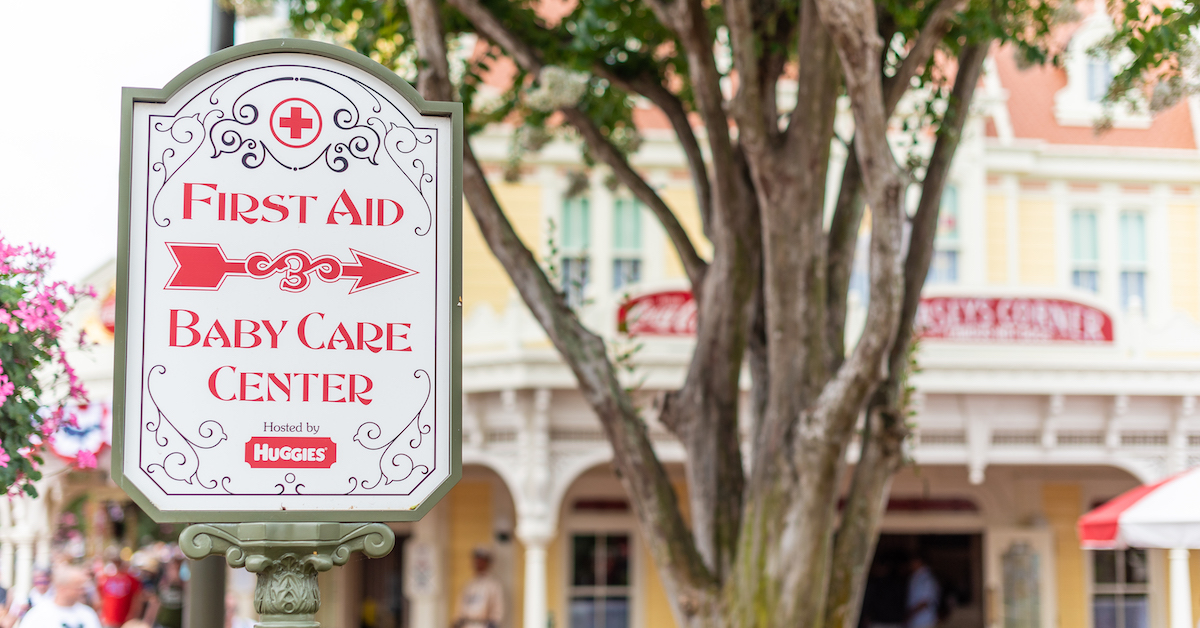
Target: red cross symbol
299,127
296,123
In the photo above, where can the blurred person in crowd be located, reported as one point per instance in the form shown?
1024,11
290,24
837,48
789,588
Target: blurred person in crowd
232,619
120,594
8,617
67,609
42,590
481,603
924,593
166,606
135,623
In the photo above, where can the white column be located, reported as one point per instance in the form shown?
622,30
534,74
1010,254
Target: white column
425,572
41,553
7,549
38,521
1181,589
23,538
535,584
24,577
535,520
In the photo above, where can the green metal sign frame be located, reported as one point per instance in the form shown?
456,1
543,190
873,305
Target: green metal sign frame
454,111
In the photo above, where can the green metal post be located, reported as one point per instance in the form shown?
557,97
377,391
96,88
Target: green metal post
206,593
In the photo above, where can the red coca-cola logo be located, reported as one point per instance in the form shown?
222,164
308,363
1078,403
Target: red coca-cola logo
290,452
671,313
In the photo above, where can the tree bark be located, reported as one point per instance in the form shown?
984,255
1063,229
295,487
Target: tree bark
760,550
691,586
886,421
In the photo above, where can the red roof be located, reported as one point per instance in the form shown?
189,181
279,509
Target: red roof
1031,108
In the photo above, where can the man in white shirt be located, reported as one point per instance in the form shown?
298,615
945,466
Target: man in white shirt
67,609
481,603
923,596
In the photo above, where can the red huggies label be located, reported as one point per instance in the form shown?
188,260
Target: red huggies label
290,452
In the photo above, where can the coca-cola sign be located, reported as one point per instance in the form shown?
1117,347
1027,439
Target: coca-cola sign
670,313
1013,319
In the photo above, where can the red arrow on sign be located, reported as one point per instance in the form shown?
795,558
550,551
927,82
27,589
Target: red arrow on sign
205,267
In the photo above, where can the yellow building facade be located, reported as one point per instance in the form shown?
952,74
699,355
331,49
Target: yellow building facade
1016,436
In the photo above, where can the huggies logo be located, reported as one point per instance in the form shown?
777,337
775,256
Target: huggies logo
283,452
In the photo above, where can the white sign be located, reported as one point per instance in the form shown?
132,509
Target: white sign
289,333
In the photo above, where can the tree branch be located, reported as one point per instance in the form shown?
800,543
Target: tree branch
886,417
924,223
433,81
529,60
693,264
936,27
653,89
866,502
748,103
852,26
842,240
840,247
642,475
817,55
687,19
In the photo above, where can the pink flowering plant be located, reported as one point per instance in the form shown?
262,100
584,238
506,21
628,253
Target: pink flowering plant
36,381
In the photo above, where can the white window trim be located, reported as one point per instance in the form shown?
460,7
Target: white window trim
638,254
1072,107
1072,264
1156,590
1109,202
597,523
1143,267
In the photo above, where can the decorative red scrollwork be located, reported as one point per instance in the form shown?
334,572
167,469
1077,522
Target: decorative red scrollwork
296,266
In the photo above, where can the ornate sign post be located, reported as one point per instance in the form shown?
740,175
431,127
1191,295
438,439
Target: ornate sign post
288,320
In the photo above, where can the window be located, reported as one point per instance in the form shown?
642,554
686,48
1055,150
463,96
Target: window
576,219
627,243
1085,250
1099,77
943,268
600,586
1120,588
1133,260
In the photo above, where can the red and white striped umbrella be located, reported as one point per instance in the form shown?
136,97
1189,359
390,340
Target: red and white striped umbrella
1162,515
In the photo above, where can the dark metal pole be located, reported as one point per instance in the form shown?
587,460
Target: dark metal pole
222,26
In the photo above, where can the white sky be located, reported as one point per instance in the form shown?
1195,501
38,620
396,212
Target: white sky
60,106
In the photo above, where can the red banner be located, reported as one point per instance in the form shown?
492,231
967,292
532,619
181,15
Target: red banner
1016,319
670,313
1012,319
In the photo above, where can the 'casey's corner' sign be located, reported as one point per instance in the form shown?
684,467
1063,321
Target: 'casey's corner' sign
672,313
288,316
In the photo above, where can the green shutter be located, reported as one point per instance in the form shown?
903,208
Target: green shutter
1084,245
627,225
575,221
1133,237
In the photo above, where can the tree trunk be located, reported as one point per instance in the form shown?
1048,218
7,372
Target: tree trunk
760,551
